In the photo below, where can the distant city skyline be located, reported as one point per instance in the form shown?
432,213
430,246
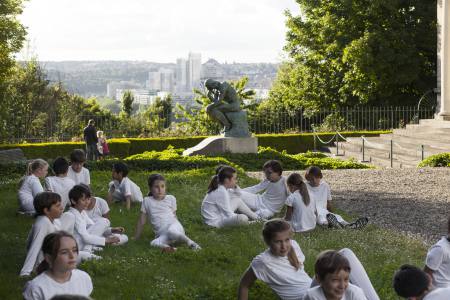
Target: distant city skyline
159,31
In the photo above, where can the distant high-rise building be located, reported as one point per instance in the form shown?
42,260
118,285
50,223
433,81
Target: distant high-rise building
181,75
194,69
154,80
167,80
113,87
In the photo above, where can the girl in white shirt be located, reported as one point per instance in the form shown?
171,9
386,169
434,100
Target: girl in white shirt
30,186
320,193
89,234
281,266
57,273
216,208
301,212
60,183
160,210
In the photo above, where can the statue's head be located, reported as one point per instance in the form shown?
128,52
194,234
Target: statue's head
211,84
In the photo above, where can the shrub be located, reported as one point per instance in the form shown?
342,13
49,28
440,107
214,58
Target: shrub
437,160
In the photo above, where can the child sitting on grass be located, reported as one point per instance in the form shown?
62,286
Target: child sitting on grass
437,263
216,207
77,172
160,210
275,191
48,209
281,266
30,186
57,273
320,193
91,235
301,212
413,283
60,183
122,189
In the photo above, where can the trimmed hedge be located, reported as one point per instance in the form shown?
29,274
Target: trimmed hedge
437,160
121,148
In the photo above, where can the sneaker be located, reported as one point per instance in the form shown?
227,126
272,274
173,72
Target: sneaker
97,248
333,222
194,246
359,223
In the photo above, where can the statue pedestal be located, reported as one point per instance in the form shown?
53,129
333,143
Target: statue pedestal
239,123
219,145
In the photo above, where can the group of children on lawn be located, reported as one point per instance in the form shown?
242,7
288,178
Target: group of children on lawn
59,241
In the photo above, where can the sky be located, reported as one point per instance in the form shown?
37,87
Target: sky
156,30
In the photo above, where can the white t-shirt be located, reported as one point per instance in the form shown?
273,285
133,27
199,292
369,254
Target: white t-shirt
41,228
303,217
438,294
161,213
31,186
216,206
275,193
61,186
280,275
43,287
80,232
82,177
438,260
128,188
320,195
351,293
100,208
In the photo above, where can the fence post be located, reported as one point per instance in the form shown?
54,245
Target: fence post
392,154
423,151
363,149
315,146
337,144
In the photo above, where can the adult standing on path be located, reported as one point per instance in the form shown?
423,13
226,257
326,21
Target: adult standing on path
90,138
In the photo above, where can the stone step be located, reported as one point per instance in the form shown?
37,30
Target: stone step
434,123
431,144
432,134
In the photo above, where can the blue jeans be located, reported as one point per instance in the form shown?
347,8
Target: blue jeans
91,152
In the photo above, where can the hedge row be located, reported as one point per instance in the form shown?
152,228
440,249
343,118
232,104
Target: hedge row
437,160
121,148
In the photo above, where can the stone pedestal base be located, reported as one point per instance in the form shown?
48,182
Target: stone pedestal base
239,123
219,145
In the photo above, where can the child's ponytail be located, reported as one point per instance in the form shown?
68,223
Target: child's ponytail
296,181
213,184
293,259
222,172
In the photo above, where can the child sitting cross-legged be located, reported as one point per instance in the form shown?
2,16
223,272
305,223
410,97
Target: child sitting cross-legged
30,186
77,172
57,272
160,209
91,235
122,188
48,209
60,183
320,193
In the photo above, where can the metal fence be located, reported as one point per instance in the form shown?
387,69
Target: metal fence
268,121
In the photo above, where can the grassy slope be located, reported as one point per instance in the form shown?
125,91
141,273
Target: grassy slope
136,271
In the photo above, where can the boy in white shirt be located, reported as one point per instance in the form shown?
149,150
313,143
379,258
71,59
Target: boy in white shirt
122,188
98,208
48,209
61,183
413,283
77,172
275,191
437,263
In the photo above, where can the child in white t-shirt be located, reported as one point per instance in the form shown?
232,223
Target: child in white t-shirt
77,172
320,193
411,282
89,234
281,266
301,212
98,208
437,263
122,188
216,207
30,186
160,210
275,191
57,273
61,183
48,209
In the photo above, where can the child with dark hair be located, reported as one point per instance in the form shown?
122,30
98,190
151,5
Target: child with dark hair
281,266
160,210
274,190
413,283
90,235
77,172
320,192
122,188
437,263
58,273
60,183
48,209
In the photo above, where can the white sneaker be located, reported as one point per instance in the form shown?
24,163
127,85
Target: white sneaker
194,246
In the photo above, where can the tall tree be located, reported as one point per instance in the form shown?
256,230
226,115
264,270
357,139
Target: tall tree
344,52
127,103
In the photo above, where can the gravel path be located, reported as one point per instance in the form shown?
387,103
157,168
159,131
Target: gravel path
414,201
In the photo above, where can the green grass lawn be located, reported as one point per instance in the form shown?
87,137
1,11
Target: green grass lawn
138,271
